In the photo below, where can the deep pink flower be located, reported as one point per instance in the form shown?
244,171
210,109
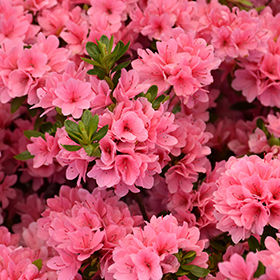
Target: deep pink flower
5,191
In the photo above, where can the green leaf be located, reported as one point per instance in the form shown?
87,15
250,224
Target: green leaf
100,133
245,2
120,66
253,243
153,90
86,117
260,270
33,133
16,103
102,48
122,50
111,44
116,49
273,141
38,263
199,271
92,127
88,149
46,127
71,148
105,40
24,156
261,125
96,153
93,51
98,71
189,257
92,62
116,77
32,112
218,246
159,100
73,131
176,109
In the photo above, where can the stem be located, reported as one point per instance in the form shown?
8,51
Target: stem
141,206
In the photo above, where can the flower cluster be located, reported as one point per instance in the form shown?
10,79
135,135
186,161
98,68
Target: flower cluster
139,139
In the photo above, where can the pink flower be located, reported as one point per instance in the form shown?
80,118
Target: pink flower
147,263
43,150
33,62
85,242
5,191
237,268
73,97
130,128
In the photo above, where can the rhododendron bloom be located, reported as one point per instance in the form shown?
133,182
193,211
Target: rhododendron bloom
73,97
43,150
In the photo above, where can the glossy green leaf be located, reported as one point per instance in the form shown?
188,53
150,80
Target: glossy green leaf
71,148
46,127
33,133
38,263
260,270
16,103
100,133
159,100
111,43
123,49
245,2
92,127
116,77
120,66
189,257
88,149
153,90
105,40
92,62
98,71
24,156
253,243
199,271
86,117
93,51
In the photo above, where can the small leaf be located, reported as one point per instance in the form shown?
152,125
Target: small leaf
111,44
218,246
199,271
38,263
273,141
260,270
96,153
116,77
88,149
100,133
153,90
72,127
245,2
16,103
92,62
189,257
24,156
123,50
120,66
159,100
93,51
253,243
92,127
98,71
71,148
33,133
176,109
33,112
86,117
46,127
105,40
